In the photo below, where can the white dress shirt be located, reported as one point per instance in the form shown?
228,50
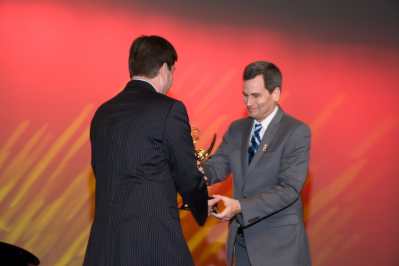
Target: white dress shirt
265,123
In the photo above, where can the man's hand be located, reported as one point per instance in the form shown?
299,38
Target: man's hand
232,207
212,205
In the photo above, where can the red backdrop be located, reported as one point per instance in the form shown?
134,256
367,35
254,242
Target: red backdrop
58,62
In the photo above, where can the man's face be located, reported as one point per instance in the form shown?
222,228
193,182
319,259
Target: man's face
259,102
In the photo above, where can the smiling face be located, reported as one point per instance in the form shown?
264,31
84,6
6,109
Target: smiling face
259,102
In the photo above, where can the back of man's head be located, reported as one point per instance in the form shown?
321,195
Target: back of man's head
270,72
148,54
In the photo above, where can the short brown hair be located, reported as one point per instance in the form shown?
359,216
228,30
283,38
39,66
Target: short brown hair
148,54
271,74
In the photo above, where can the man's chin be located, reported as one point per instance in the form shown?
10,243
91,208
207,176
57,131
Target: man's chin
251,114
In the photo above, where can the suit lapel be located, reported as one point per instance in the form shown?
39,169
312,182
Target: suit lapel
244,145
266,140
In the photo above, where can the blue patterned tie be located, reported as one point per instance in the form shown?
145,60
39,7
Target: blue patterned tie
255,142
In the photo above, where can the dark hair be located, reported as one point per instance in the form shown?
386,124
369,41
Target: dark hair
148,54
271,74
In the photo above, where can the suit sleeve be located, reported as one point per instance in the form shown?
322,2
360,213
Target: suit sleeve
189,181
217,168
292,176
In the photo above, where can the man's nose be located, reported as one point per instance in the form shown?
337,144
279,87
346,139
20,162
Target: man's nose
249,101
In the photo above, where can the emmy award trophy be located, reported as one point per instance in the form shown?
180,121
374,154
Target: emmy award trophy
201,154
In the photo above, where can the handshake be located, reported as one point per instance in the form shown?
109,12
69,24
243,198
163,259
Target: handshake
220,207
223,208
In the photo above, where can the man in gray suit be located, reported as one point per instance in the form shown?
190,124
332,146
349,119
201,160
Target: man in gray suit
267,154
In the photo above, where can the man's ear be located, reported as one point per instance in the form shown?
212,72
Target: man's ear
276,94
164,68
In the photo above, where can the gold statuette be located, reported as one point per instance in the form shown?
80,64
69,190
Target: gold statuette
201,155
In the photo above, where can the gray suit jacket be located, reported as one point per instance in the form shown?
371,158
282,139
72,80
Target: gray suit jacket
268,189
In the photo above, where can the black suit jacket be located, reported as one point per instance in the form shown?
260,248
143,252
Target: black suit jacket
142,155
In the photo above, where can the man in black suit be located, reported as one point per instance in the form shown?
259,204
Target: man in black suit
142,155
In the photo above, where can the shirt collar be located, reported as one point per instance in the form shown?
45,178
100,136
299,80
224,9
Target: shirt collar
265,122
144,80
